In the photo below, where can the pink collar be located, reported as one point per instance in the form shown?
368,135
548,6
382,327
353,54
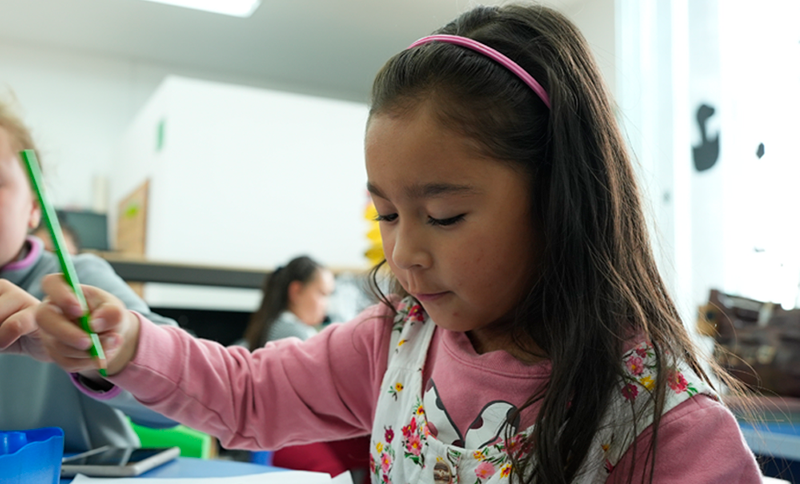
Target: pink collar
36,248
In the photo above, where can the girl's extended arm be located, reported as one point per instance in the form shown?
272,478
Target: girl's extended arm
289,392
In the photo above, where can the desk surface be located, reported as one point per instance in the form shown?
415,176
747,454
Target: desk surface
775,428
773,439
191,467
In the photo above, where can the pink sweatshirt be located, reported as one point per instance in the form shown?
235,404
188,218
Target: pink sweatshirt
326,388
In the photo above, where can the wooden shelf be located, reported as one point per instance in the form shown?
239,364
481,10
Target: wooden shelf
136,269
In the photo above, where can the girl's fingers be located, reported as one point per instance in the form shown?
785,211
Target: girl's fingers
107,313
68,343
13,299
69,358
15,327
74,360
109,343
17,317
53,322
61,295
74,365
67,352
106,310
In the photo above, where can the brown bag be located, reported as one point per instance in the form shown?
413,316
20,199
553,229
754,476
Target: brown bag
760,341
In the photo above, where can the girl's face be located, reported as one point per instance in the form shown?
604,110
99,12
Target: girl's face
18,210
309,302
456,226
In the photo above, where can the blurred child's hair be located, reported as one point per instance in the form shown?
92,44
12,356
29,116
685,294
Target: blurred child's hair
597,285
70,235
18,132
275,297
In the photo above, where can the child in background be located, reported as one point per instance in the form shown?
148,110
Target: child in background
294,302
71,238
530,336
50,397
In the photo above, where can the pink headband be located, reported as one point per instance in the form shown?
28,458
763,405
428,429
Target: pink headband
492,54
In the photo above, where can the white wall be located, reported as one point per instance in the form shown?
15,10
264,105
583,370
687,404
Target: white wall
597,21
248,177
79,105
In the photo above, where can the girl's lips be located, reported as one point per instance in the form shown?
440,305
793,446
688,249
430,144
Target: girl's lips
429,297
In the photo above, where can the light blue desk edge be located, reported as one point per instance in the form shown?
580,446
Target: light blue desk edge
774,444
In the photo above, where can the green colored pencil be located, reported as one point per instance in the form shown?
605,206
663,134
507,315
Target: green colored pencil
67,267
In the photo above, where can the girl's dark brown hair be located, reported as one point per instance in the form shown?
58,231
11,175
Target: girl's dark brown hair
275,297
598,285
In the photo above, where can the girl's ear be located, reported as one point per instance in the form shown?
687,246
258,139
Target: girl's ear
295,287
36,215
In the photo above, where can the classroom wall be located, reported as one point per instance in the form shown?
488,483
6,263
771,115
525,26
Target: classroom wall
79,105
597,21
247,177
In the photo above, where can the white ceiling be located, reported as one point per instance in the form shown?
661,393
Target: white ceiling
328,47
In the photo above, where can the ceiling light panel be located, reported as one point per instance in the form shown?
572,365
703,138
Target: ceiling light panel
236,8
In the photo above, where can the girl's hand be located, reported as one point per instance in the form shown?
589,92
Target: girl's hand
68,344
18,330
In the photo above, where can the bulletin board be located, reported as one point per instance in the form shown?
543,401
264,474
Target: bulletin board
132,222
132,227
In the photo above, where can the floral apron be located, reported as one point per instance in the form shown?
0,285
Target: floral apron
403,451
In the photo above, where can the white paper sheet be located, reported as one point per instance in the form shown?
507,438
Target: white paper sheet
288,477
343,478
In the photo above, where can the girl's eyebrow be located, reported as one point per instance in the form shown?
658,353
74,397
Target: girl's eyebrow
430,190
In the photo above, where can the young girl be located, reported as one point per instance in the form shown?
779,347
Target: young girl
294,304
294,301
49,397
530,336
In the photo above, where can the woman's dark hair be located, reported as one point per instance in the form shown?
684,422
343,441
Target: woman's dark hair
275,298
597,284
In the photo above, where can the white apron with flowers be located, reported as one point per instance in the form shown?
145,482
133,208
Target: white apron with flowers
403,451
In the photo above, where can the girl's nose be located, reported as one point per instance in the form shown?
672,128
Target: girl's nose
410,250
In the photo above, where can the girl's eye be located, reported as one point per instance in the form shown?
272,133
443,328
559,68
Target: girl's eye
386,218
445,221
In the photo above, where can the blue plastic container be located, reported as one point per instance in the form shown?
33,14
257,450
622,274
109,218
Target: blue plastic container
263,457
31,456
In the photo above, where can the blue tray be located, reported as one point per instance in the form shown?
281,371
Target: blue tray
31,456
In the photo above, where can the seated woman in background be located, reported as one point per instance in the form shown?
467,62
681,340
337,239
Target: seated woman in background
294,303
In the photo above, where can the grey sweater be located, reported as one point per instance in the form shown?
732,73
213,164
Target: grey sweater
288,325
35,394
